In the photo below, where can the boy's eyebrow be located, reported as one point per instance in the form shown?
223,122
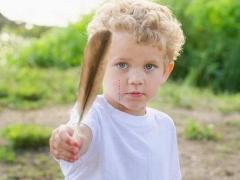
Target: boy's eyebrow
122,59
153,61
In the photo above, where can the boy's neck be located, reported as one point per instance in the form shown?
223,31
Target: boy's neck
122,108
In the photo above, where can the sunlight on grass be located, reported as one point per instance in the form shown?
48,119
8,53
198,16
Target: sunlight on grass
196,131
28,88
27,136
7,154
184,96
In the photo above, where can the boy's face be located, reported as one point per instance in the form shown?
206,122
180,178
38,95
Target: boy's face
133,74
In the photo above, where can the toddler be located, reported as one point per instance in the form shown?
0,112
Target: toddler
122,138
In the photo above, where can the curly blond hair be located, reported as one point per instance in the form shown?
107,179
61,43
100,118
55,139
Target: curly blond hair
149,22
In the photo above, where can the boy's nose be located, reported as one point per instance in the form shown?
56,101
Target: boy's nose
136,78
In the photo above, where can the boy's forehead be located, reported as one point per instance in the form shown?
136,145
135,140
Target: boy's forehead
125,48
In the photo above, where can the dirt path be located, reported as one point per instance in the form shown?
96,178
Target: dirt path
200,160
50,116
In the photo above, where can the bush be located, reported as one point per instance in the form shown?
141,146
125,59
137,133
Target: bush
27,136
62,48
7,154
211,54
195,131
28,88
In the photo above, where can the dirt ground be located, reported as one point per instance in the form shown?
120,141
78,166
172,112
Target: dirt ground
200,160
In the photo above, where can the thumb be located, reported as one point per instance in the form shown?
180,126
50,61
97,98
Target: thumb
67,134
78,137
75,136
69,130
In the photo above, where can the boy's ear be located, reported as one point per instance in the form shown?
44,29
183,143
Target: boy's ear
168,69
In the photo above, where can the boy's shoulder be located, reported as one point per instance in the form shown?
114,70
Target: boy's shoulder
161,117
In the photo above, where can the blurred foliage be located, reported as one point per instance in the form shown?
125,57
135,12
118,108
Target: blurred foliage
7,154
9,44
36,72
27,31
235,123
27,136
20,28
173,94
195,131
27,88
211,54
209,59
61,48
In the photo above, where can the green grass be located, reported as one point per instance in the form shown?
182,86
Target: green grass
10,43
235,123
184,96
27,136
228,103
37,165
196,131
28,88
7,154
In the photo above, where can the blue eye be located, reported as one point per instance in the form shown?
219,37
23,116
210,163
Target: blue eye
122,65
149,67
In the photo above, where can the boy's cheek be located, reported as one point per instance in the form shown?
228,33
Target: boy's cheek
152,90
112,85
116,84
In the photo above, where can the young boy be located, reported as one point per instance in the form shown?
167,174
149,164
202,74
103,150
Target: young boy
122,138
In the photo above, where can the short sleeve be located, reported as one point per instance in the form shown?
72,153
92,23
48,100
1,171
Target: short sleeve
91,156
175,169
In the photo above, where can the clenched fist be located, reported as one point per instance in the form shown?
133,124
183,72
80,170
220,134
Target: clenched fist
64,146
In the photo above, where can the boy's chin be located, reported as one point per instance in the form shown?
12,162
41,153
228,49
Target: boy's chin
135,107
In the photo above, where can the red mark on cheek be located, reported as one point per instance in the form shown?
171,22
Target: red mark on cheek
116,89
119,90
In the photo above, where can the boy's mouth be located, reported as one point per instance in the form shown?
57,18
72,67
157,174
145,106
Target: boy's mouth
135,94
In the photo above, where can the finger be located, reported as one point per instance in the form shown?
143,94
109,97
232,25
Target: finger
54,139
70,148
57,145
62,145
65,155
52,142
67,159
66,128
63,140
66,135
69,130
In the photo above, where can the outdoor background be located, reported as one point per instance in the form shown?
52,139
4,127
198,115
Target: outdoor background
39,72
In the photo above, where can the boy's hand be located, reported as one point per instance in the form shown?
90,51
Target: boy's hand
63,145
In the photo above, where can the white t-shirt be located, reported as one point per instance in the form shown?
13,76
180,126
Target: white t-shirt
125,146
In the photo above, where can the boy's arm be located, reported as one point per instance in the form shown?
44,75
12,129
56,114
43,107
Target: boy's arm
64,146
